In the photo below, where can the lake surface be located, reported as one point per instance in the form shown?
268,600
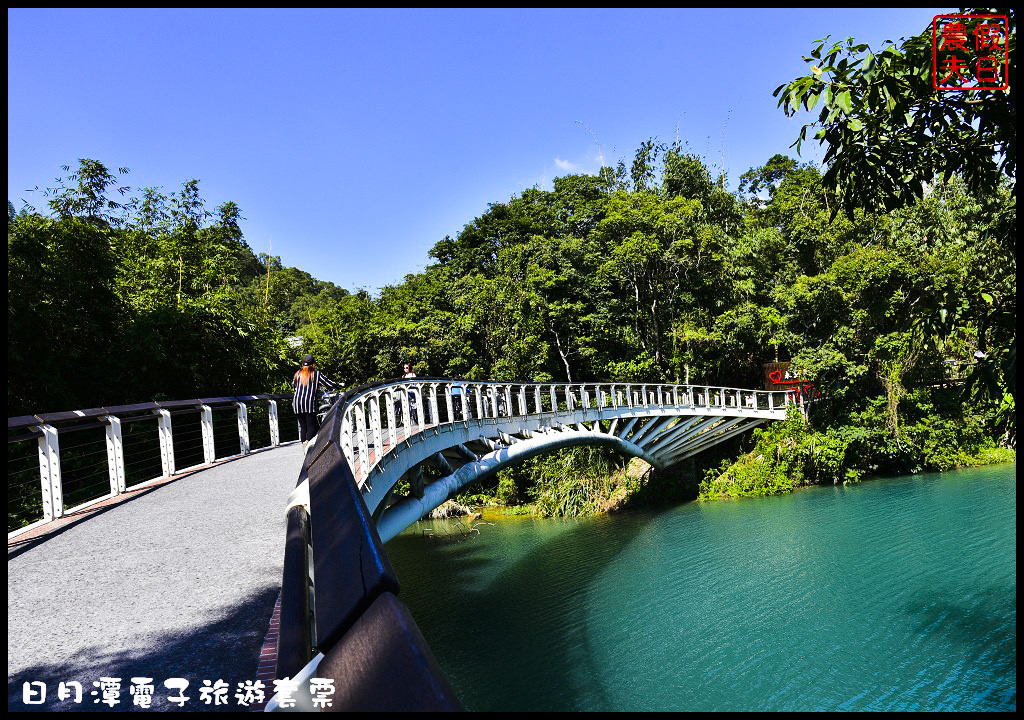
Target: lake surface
892,594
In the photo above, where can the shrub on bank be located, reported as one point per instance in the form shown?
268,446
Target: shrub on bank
791,453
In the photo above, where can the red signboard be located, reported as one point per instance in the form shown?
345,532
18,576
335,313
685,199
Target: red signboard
778,376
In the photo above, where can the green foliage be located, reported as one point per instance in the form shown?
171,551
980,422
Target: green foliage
888,131
793,453
114,302
570,483
890,137
657,274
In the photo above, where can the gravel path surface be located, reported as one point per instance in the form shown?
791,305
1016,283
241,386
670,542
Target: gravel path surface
178,581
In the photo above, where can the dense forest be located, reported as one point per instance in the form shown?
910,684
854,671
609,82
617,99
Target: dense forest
889,281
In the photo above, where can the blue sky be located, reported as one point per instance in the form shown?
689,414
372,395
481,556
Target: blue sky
354,140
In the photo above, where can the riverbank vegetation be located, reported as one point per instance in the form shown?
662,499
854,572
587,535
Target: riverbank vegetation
899,308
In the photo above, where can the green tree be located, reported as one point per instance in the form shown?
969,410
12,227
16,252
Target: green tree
890,135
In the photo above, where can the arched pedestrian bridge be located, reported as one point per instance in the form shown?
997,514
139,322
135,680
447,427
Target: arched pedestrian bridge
385,456
433,437
467,430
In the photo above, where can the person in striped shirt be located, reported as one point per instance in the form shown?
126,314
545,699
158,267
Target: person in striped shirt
307,381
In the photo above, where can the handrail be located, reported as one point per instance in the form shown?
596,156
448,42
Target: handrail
14,423
355,620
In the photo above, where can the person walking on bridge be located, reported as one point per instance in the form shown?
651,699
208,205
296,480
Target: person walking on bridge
307,381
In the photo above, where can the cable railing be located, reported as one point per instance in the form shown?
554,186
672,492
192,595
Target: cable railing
59,463
377,419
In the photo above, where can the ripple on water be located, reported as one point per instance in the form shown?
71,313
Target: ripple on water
893,594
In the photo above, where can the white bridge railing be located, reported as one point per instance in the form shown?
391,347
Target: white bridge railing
379,419
84,457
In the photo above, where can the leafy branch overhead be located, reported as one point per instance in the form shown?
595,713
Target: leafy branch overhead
890,133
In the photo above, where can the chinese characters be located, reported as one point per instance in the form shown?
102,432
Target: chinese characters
142,690
970,52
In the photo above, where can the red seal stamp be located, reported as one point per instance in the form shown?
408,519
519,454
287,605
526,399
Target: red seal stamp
970,52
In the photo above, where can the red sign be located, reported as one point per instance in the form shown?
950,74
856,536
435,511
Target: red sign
778,376
970,59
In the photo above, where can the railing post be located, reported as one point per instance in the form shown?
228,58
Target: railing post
508,401
479,402
707,397
433,404
420,409
536,400
522,400
464,401
115,455
359,411
392,432
378,435
166,442
243,427
346,437
275,431
406,417
206,425
448,403
554,400
49,473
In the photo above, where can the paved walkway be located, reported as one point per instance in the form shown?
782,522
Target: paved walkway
179,580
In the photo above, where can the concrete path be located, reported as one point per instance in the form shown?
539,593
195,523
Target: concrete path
178,581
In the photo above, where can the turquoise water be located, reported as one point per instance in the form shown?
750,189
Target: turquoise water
893,594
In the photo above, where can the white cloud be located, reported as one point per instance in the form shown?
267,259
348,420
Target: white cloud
565,164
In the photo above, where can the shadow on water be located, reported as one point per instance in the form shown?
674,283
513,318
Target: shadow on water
225,648
526,625
990,616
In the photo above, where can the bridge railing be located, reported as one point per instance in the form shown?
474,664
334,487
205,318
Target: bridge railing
340,616
378,418
59,463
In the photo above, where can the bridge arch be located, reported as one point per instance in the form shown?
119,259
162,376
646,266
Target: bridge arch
467,430
394,519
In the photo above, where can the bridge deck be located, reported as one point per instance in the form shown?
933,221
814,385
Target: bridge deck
178,581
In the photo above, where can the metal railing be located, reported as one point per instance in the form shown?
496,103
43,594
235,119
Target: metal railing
82,457
377,419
